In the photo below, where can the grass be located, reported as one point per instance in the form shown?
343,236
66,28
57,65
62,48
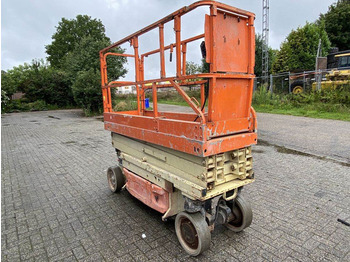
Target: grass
304,112
326,104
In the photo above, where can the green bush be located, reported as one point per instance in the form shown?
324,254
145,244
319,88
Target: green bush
334,104
21,105
39,81
124,102
263,97
5,100
87,92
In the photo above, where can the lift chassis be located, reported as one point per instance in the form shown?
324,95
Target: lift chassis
190,166
173,182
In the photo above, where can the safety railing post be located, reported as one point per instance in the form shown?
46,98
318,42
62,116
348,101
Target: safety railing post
177,26
161,47
184,49
155,100
271,83
203,97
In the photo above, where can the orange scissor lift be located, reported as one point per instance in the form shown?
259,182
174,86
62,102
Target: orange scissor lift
190,165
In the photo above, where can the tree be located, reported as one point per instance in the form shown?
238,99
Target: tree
87,91
299,50
337,24
69,33
9,83
84,60
205,67
38,81
16,78
258,56
192,68
75,50
85,56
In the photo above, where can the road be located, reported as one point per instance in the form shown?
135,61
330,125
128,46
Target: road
318,137
56,205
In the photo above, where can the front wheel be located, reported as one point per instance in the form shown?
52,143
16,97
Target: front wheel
242,215
297,87
192,232
115,178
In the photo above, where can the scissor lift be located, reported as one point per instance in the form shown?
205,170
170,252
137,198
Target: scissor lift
190,165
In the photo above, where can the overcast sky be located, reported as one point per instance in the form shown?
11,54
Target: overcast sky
27,25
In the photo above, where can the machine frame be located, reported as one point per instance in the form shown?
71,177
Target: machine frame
190,165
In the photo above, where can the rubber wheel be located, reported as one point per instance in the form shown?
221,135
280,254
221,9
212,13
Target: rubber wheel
242,213
297,87
115,178
192,232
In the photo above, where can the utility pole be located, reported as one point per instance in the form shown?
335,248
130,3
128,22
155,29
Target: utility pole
265,42
317,71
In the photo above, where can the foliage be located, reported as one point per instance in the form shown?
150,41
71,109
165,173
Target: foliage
85,56
125,102
337,24
258,56
69,33
9,83
205,67
74,65
299,50
23,105
4,100
331,104
193,68
38,81
82,58
87,91
75,49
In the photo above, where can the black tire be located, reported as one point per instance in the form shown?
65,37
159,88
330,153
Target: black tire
115,178
243,214
192,232
297,87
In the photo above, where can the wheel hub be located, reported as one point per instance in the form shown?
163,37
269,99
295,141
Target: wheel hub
112,179
189,233
297,90
237,216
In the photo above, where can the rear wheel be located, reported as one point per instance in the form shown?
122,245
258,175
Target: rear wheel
192,232
115,178
297,87
242,215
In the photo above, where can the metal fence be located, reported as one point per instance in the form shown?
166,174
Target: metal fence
287,82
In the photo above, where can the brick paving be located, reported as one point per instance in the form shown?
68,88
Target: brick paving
56,205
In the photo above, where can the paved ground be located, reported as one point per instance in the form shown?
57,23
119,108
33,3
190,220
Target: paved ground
56,204
326,138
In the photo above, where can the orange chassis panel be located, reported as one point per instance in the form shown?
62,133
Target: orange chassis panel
181,136
150,194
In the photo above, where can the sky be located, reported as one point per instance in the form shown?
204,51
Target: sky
27,25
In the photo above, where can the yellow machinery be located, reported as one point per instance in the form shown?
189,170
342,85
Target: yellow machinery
336,78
